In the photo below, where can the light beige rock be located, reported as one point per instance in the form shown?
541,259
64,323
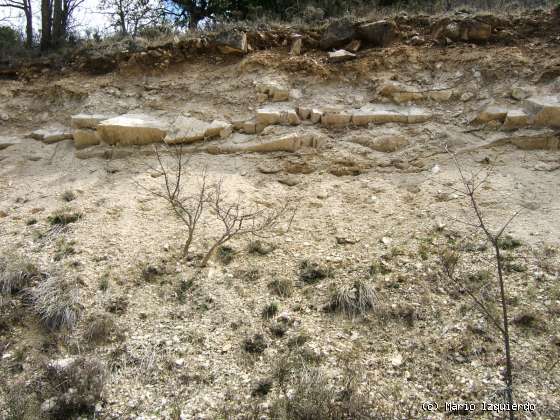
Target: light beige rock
286,143
368,115
545,110
316,116
186,130
304,112
220,129
271,116
418,115
336,116
249,127
87,120
86,137
440,95
51,135
340,56
132,129
388,143
6,142
275,90
399,92
492,113
527,139
516,118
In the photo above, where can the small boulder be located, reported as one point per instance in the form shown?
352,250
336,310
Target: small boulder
232,42
545,110
492,113
51,135
515,118
338,34
132,129
275,90
220,129
186,130
379,34
340,56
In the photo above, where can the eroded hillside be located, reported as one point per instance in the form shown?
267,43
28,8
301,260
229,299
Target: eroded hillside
348,314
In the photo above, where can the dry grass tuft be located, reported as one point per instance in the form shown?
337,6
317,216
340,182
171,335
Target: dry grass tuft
16,274
99,328
56,301
354,299
311,272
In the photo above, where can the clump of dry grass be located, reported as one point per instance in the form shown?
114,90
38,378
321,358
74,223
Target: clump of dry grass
68,196
64,217
16,274
56,301
281,287
99,328
270,310
357,298
76,385
255,344
259,247
311,272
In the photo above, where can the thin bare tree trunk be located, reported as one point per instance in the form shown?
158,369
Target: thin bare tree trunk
28,24
46,24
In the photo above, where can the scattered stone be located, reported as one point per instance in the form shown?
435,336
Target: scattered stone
289,180
340,56
232,42
275,90
51,135
338,34
86,137
3,214
467,96
132,129
462,30
417,40
397,360
515,118
546,167
87,121
379,34
388,143
6,142
343,240
519,93
269,168
316,116
304,112
545,110
249,127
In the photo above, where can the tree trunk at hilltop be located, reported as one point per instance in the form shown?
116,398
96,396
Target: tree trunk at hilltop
57,29
28,24
46,24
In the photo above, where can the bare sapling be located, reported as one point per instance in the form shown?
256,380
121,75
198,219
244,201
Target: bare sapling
238,219
471,185
188,206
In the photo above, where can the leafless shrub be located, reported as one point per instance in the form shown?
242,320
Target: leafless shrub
499,241
64,217
56,301
353,299
238,219
16,274
187,206
311,272
68,196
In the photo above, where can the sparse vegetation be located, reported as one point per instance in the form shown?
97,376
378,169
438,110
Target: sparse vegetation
16,274
281,287
56,301
225,254
68,196
259,247
63,249
311,272
270,310
64,217
353,299
99,327
255,344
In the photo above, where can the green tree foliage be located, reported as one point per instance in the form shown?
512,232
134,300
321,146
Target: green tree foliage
9,38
